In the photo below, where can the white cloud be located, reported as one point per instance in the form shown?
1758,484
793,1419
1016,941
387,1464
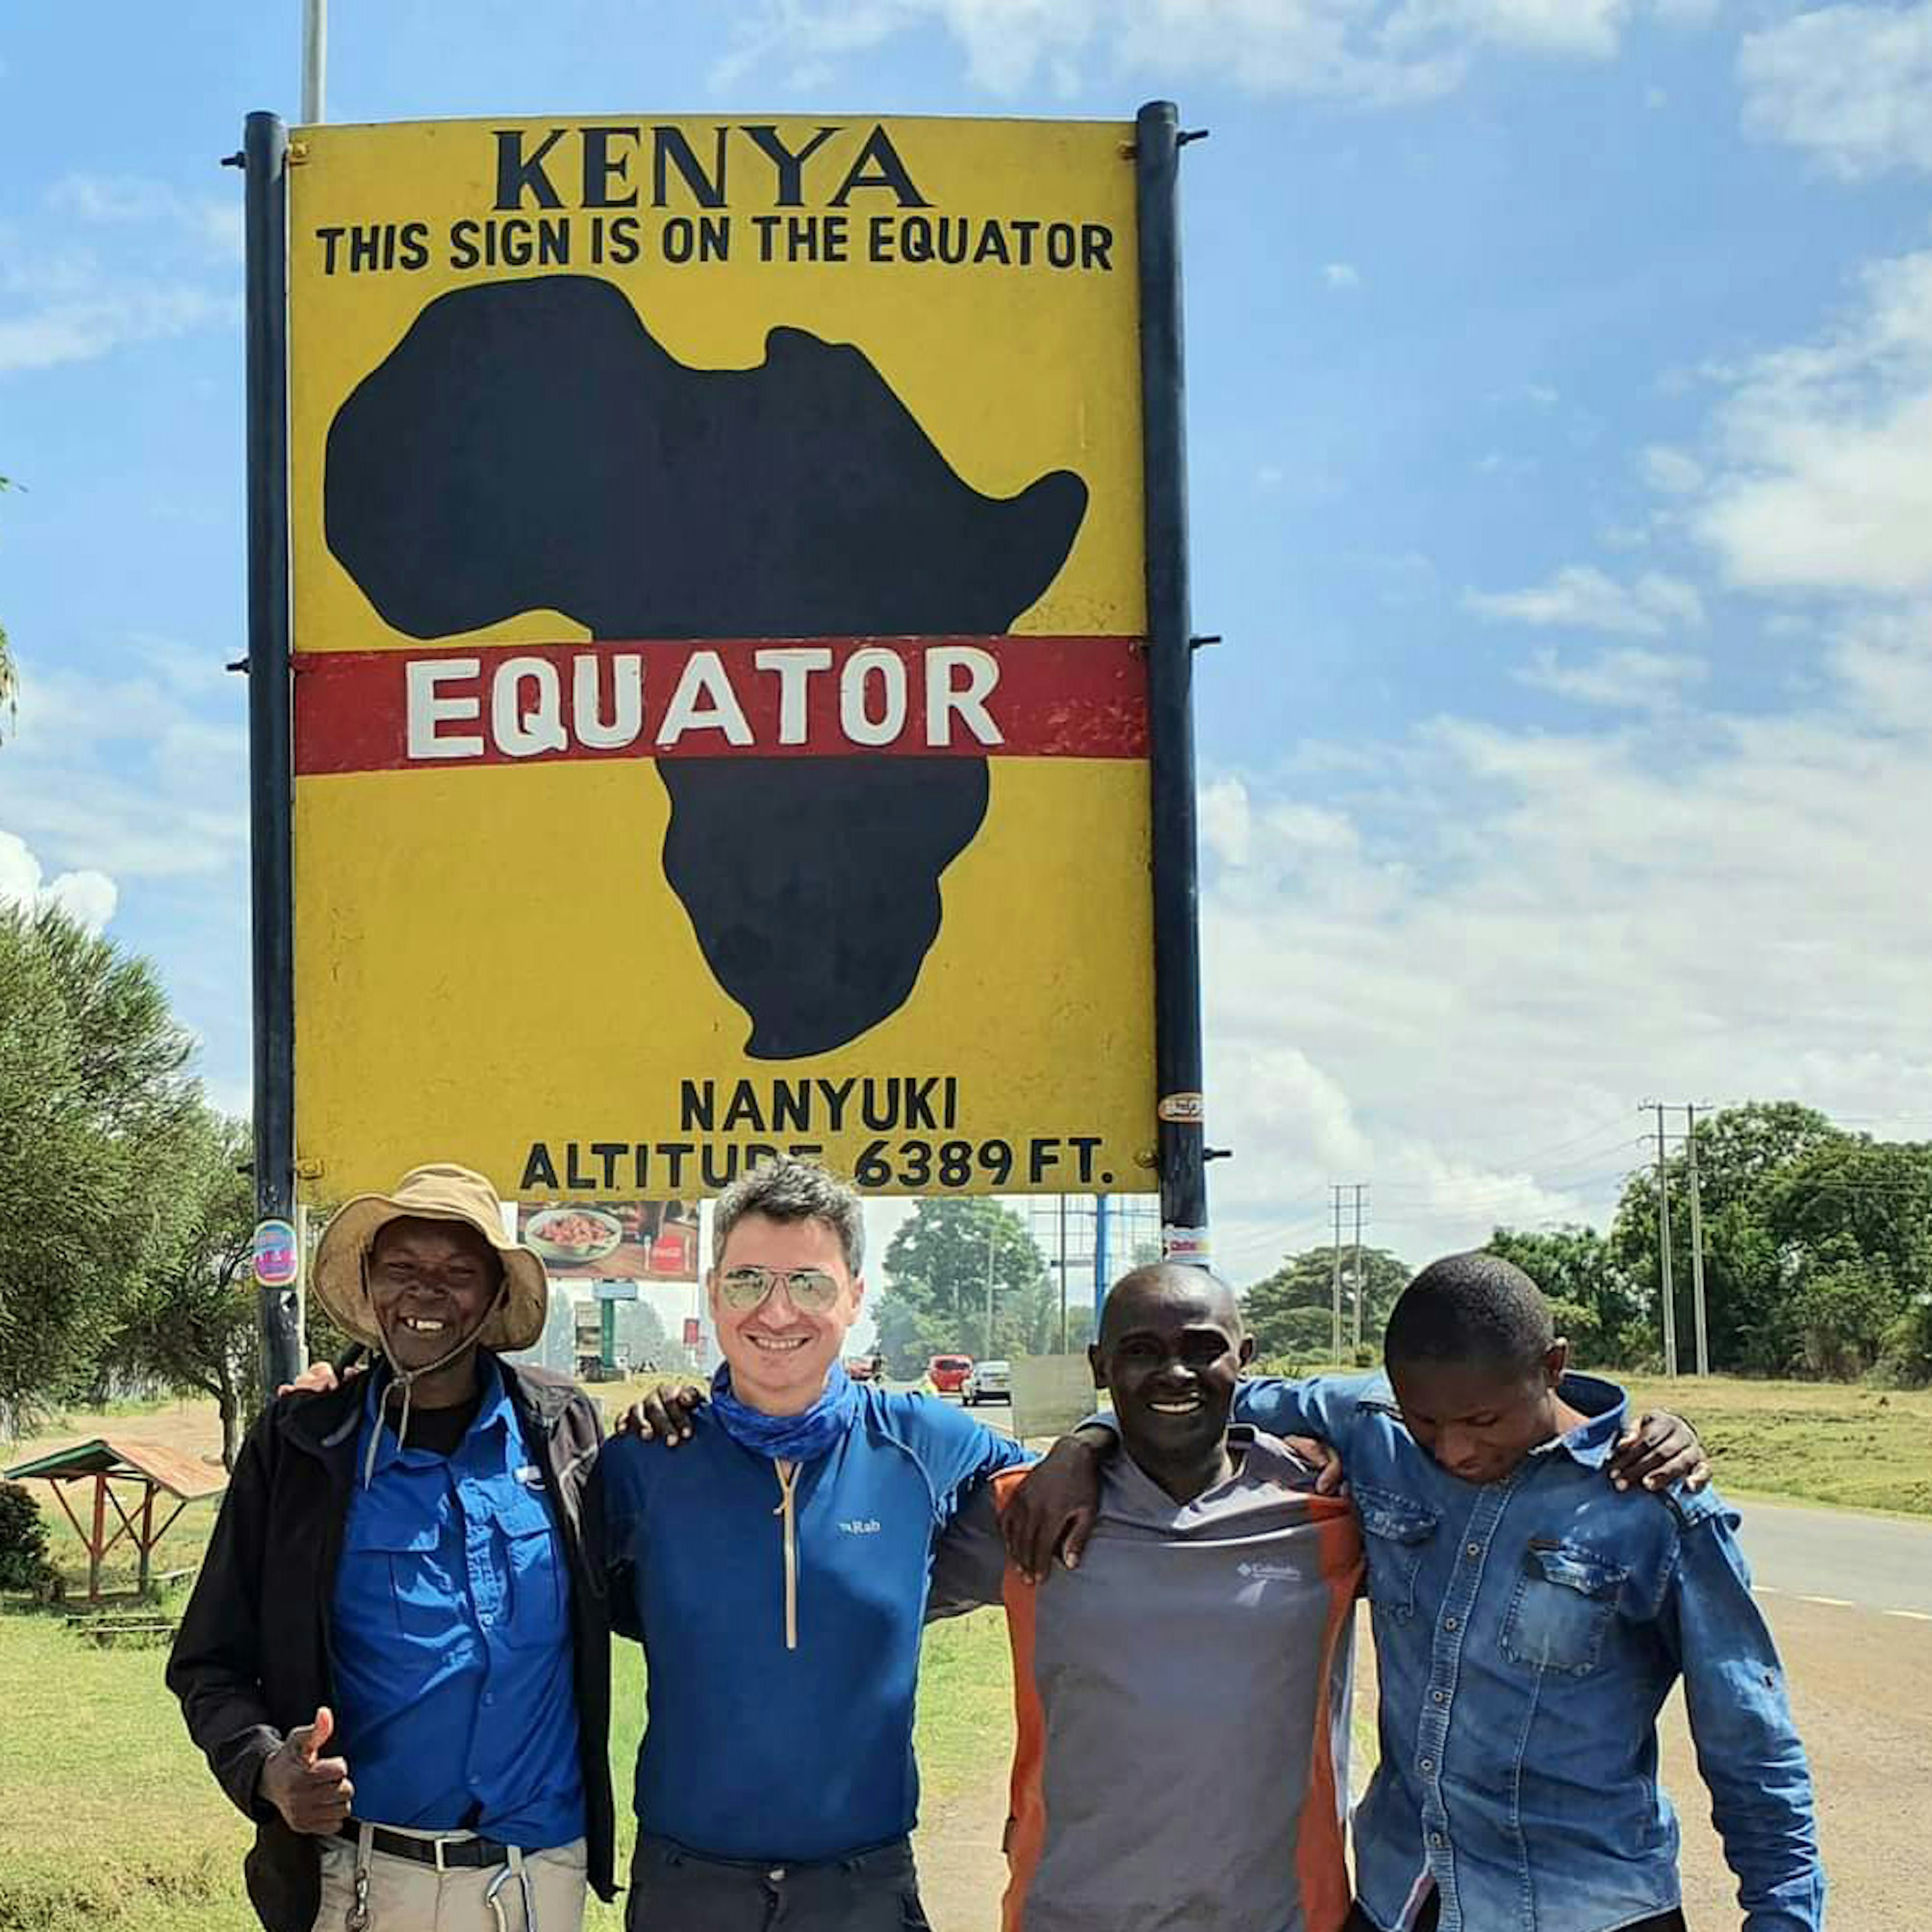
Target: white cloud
1581,597
212,223
1851,84
1524,934
1671,472
51,333
1626,678
146,281
1378,52
87,896
137,776
1341,275
1591,28
1827,483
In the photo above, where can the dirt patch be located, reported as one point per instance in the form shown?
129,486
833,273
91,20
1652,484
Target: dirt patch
192,1427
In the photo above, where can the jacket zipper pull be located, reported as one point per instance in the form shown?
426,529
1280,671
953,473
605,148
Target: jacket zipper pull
787,1475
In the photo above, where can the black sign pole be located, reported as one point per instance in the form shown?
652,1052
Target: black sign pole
265,158
1158,141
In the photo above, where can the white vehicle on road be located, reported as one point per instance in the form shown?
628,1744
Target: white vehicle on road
987,1382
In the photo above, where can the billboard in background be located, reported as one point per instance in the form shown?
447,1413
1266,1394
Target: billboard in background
613,1240
721,717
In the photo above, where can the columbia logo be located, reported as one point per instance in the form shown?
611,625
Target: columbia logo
856,1526
1270,1573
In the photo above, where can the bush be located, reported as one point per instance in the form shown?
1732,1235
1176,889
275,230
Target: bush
24,1563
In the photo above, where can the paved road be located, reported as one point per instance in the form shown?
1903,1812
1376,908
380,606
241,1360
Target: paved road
1841,1559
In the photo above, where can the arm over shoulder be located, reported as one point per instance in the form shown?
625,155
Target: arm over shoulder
614,1528
1323,1406
969,1567
958,1452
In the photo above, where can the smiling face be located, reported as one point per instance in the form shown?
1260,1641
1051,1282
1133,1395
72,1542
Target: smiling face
781,1350
1479,1419
432,1283
1172,1351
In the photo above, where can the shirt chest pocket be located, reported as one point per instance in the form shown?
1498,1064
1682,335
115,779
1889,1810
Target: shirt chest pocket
538,1601
405,1571
1396,1533
1561,1610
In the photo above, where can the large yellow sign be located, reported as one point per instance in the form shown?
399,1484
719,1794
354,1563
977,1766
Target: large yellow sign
720,721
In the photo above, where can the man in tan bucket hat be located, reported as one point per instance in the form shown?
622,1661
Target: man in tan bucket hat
396,1657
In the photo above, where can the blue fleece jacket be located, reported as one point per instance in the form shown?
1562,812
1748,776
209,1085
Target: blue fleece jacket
781,1621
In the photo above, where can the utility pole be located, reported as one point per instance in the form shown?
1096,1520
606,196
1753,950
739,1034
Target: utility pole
315,59
1663,1252
1101,1261
1696,1243
1335,1284
1360,1189
1063,1274
992,1228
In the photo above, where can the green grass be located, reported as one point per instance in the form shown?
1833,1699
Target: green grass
1812,1441
109,1818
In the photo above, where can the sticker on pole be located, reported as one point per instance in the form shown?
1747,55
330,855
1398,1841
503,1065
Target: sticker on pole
1183,1109
718,555
1190,1246
277,1259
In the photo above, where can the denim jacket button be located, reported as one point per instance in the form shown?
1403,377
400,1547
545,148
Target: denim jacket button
1472,1549
1439,1696
1449,1624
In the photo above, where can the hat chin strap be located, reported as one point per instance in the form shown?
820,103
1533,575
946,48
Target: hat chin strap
408,1378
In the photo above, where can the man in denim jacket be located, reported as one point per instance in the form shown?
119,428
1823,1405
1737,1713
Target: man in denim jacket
1530,1621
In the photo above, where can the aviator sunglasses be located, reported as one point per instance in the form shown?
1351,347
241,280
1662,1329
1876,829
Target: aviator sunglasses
811,1289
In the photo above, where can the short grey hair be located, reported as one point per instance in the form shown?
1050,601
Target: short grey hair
789,1188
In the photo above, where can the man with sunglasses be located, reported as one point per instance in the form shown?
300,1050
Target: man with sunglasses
776,1572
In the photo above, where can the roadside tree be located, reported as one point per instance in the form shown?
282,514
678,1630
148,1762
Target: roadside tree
95,1110
189,1321
1279,1310
1600,1308
940,1263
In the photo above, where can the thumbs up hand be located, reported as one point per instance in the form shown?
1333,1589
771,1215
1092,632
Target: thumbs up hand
311,1792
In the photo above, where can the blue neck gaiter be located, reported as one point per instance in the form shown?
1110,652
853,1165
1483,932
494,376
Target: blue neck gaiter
802,1437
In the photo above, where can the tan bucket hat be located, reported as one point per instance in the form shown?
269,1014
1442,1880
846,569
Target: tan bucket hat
438,1193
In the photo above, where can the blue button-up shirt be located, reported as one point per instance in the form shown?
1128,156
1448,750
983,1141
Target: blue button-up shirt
456,1705
1527,1633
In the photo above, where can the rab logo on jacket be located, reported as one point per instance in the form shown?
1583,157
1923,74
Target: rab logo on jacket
861,1526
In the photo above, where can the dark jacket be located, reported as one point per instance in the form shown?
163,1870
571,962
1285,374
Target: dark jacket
252,1660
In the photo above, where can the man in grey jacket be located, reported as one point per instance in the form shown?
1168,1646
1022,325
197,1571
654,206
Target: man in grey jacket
1205,1638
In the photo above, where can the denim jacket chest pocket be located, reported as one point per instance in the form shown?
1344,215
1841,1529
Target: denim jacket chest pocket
1560,1612
1397,1531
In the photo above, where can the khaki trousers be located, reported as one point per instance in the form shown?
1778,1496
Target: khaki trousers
402,1896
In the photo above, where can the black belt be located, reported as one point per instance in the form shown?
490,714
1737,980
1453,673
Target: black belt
468,1854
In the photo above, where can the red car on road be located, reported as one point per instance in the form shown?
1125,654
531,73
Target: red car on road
948,1373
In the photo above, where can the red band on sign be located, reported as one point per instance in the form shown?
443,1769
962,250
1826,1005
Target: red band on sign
772,697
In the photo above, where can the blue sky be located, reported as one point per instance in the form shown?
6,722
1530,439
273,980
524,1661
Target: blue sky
1561,417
